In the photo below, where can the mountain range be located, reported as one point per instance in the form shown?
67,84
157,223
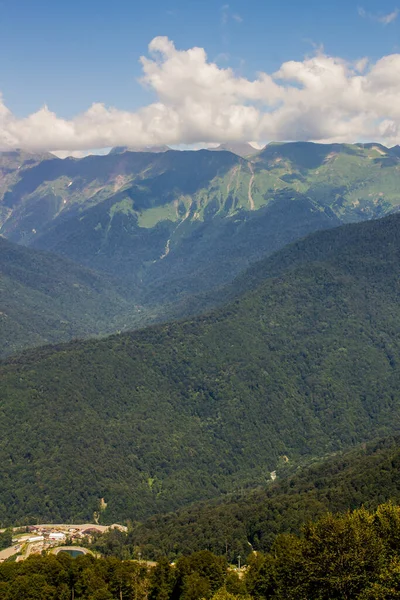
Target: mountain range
301,363
177,227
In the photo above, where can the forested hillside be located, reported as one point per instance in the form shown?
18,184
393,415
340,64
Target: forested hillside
340,246
45,298
48,299
350,556
303,365
252,519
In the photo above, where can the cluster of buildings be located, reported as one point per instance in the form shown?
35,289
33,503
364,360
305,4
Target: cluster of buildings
35,539
60,533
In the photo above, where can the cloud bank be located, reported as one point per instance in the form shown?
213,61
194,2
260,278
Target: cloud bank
321,98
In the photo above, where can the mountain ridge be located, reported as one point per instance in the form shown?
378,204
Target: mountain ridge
243,149
178,225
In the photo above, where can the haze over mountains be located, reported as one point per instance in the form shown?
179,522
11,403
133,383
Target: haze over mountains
241,149
122,149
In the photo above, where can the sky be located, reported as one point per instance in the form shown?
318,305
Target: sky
87,74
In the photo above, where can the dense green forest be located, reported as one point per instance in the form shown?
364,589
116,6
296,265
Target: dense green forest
340,246
46,298
251,519
351,556
303,365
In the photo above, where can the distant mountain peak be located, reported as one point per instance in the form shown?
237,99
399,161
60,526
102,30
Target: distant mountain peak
17,154
395,150
152,149
242,149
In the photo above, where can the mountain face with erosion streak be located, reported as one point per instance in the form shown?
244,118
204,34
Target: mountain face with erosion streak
182,223
12,167
303,362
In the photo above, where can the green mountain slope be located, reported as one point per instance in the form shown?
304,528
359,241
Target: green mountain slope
43,302
251,519
205,255
303,365
45,299
13,165
138,182
339,246
356,181
178,223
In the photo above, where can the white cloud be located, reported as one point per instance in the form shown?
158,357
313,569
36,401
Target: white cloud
237,18
389,18
224,14
319,98
81,153
385,19
227,15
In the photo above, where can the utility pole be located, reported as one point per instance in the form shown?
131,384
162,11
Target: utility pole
239,561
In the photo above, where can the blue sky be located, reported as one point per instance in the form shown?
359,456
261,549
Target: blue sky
69,54
262,70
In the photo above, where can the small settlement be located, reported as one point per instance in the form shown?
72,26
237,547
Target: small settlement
34,539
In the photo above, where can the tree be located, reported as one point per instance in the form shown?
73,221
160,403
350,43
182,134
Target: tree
261,577
162,581
387,587
6,538
223,594
199,575
341,555
31,587
195,587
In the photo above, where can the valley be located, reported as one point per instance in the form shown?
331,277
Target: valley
241,372
173,228
301,362
199,300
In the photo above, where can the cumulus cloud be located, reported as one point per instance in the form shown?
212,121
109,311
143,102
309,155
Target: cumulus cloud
320,98
385,19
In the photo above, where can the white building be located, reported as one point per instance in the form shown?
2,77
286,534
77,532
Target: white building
54,535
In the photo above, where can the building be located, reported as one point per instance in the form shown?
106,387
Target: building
59,537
